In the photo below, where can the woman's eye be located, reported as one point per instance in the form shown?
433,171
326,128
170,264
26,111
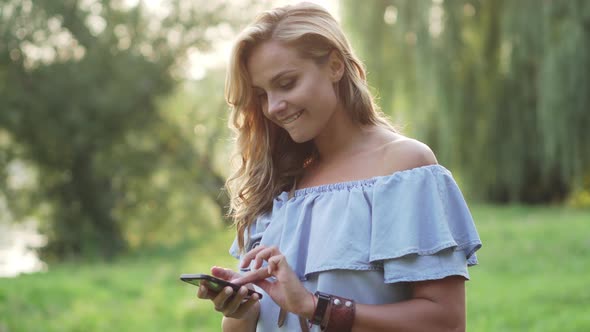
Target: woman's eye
287,84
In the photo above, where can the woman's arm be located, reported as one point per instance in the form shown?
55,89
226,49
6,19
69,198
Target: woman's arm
436,305
246,324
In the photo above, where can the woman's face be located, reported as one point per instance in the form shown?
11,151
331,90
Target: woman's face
295,93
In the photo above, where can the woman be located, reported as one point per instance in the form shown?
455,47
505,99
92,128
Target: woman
342,222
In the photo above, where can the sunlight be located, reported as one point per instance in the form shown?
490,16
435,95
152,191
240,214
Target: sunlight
200,62
17,253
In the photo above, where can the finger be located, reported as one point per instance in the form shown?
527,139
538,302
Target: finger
275,263
265,254
245,307
234,303
202,292
223,273
252,276
221,298
205,293
249,256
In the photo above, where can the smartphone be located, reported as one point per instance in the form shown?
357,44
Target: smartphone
213,283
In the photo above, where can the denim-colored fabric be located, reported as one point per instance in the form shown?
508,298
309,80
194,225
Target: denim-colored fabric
408,226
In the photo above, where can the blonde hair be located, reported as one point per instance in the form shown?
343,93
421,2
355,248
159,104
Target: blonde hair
270,159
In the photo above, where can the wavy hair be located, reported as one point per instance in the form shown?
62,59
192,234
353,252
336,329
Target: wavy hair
270,160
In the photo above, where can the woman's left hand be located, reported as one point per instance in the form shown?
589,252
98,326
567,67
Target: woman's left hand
287,291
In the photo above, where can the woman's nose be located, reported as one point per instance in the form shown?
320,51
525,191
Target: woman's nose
276,105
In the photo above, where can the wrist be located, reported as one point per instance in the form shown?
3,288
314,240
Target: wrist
246,323
253,313
248,316
333,313
309,306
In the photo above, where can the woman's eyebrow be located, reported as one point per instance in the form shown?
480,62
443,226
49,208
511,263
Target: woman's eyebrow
276,77
280,74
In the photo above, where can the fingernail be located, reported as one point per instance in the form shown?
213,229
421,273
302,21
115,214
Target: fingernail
228,290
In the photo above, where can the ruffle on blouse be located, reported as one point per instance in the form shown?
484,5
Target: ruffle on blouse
413,225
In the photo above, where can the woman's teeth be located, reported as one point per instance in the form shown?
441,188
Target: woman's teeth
292,118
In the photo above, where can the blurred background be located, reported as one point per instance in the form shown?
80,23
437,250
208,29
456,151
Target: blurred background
114,149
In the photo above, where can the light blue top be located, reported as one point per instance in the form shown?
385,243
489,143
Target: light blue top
364,239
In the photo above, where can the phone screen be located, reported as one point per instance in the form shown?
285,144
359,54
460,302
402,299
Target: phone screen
213,283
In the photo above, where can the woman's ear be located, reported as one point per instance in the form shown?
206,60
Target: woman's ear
336,66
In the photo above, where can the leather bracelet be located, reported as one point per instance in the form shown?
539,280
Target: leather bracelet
341,315
334,313
321,308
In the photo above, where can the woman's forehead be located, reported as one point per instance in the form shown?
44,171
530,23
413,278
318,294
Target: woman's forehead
271,59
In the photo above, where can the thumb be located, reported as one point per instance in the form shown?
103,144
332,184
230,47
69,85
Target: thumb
252,276
222,273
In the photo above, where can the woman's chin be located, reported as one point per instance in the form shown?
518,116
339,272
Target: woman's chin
297,138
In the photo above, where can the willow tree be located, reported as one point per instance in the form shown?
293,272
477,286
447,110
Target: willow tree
498,88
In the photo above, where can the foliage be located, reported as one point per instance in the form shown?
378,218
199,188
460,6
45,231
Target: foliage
80,84
580,198
516,287
498,88
185,186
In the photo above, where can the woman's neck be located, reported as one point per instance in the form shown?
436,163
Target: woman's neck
340,137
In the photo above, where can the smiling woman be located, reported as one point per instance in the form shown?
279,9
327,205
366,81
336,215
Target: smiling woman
343,224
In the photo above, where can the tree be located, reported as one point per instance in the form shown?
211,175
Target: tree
80,83
498,88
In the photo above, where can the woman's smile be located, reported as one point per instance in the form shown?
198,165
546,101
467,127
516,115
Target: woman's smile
291,118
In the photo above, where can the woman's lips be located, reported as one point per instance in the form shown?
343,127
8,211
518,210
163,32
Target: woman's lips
291,118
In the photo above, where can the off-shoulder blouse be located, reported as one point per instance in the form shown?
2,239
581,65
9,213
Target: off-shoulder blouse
366,239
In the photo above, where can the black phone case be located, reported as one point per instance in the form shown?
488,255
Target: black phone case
218,284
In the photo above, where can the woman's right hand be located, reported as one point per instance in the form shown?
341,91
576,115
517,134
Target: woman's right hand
231,304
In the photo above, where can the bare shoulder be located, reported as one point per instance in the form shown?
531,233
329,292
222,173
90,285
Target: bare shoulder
404,153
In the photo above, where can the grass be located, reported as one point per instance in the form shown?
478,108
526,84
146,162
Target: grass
534,270
140,292
533,276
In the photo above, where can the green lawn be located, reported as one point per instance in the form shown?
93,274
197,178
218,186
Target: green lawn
533,275
534,270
